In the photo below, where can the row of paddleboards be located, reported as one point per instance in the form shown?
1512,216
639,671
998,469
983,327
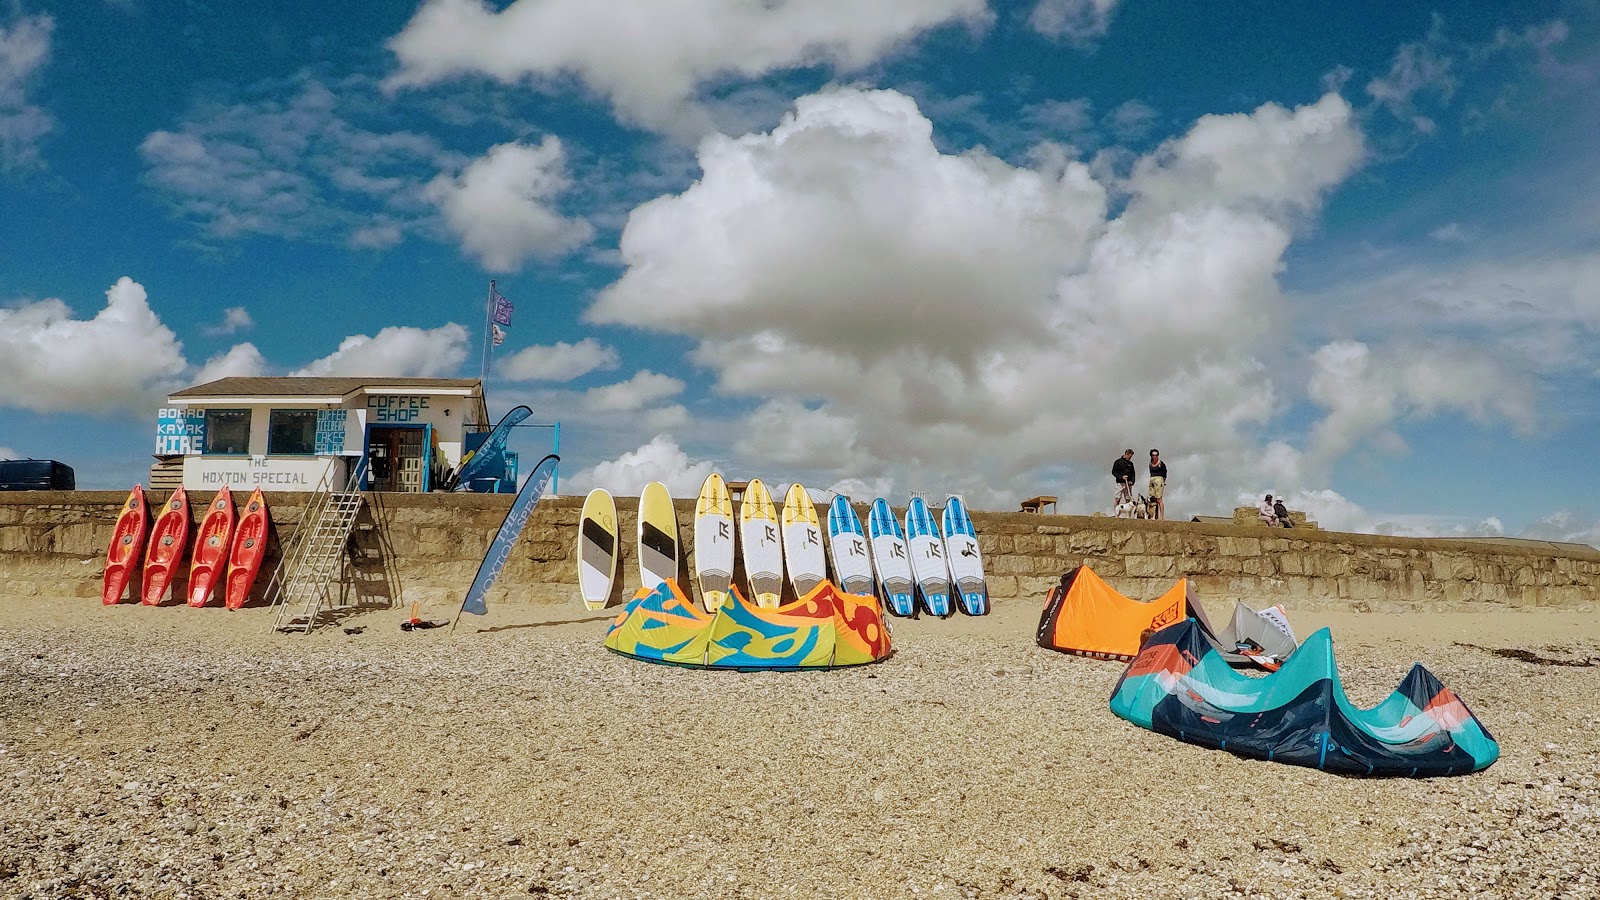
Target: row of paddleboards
923,564
227,542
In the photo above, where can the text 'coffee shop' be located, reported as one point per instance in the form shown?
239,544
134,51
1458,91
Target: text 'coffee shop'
304,434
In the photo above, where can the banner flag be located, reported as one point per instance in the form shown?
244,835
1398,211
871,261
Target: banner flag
500,548
503,309
492,447
498,334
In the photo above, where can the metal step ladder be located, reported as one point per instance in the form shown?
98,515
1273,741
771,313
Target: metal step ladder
312,562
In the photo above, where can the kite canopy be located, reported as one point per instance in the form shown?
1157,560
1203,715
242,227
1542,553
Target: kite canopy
826,628
1253,638
1180,686
1086,616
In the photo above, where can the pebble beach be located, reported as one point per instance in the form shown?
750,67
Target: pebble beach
185,753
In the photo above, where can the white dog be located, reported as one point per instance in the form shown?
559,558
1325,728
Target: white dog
1141,508
1125,509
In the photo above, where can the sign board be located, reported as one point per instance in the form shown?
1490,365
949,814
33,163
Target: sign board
330,431
180,431
397,409
208,473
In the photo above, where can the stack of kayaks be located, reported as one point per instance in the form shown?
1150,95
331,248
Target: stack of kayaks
220,548
787,551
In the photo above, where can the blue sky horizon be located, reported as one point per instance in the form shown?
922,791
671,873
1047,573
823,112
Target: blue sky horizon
1341,252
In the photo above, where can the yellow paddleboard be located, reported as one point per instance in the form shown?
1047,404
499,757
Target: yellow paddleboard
802,541
763,548
713,542
597,548
658,536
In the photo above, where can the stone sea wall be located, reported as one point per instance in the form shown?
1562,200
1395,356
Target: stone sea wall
426,548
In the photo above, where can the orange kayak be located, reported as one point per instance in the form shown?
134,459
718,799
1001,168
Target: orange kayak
249,546
127,542
211,547
167,540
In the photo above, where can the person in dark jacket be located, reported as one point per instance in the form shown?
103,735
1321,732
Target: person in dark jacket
1123,472
1282,512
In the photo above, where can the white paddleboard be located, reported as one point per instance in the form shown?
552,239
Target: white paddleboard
802,541
847,541
927,557
891,559
597,548
713,542
966,563
763,549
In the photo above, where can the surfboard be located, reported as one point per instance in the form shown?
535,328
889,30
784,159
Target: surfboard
658,536
926,548
803,555
127,545
966,563
713,542
212,543
891,560
597,548
847,543
249,548
763,549
167,540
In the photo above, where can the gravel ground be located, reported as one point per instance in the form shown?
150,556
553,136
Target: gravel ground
190,753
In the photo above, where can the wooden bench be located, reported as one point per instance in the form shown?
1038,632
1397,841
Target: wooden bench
1037,504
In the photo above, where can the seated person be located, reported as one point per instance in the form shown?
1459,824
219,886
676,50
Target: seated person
1282,512
1267,513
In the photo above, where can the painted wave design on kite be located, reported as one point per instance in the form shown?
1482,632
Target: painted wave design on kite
928,563
891,559
1181,686
824,629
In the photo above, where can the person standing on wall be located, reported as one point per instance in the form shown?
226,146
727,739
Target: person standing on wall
1158,484
1123,472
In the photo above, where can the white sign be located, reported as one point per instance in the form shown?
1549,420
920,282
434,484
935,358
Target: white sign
208,473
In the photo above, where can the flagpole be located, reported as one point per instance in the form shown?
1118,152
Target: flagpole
488,323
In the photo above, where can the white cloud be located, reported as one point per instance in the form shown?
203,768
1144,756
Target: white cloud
297,168
240,360
652,67
634,394
1131,121
397,351
24,50
8,453
123,359
907,314
1450,232
1421,67
234,320
1076,20
500,205
1365,391
658,460
558,362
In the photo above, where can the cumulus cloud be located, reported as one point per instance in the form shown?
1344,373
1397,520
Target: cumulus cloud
652,69
24,50
1365,392
1131,121
122,359
901,312
1075,20
661,459
299,167
500,208
234,320
8,453
632,395
242,360
558,362
399,351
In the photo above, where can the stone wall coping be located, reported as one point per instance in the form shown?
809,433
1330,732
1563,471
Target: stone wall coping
1026,521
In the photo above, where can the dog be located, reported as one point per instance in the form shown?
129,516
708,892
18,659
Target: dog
1141,508
1125,509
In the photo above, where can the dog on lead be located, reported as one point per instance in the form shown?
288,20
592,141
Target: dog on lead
1141,508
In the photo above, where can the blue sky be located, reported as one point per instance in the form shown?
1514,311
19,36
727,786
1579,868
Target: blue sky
1345,252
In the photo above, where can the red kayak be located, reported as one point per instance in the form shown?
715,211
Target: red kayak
127,542
167,540
249,546
211,547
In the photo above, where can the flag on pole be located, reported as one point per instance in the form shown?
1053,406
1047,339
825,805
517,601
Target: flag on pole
498,334
502,309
